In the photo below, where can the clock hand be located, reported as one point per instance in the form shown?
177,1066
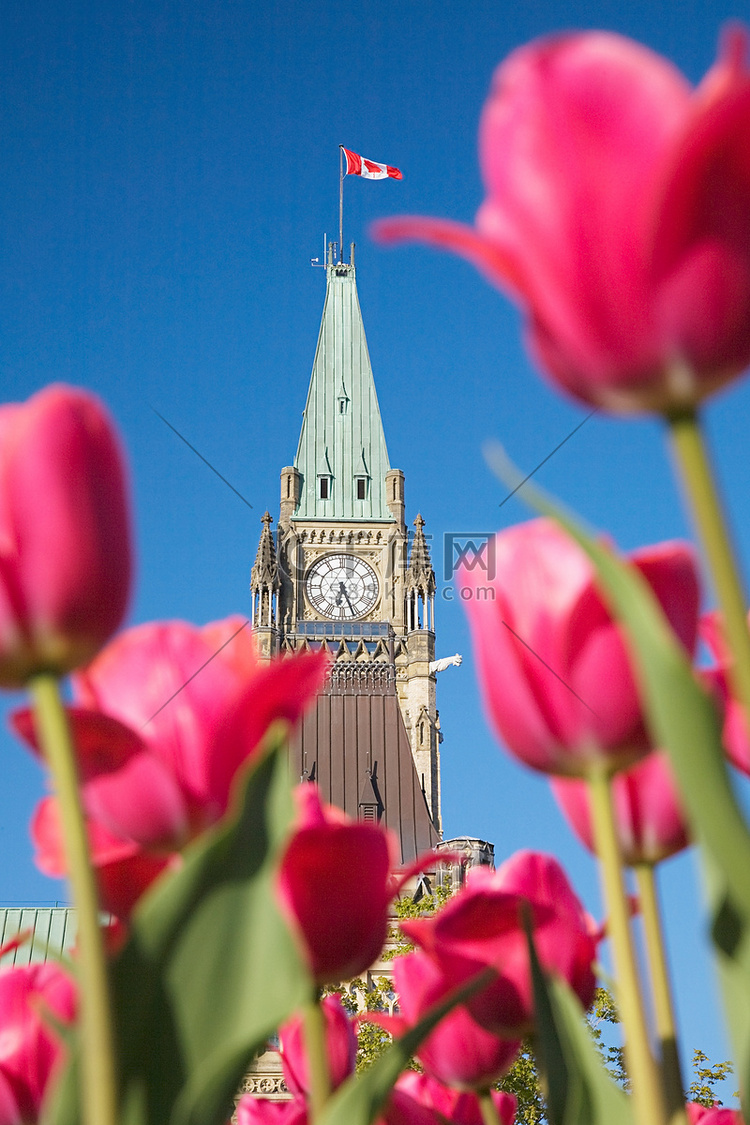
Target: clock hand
351,607
342,592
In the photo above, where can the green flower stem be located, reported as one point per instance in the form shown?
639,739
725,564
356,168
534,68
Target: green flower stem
710,522
674,1091
490,1115
648,1103
317,1057
98,1074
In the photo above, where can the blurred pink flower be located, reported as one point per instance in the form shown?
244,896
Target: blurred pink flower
650,821
481,927
262,1111
712,1115
341,1047
459,1108
165,718
734,724
123,869
65,554
458,1052
616,215
553,665
335,888
32,997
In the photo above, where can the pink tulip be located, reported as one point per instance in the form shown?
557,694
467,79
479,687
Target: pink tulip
458,1052
452,1105
201,702
553,665
404,1109
341,1048
32,999
712,1115
616,215
650,821
64,533
262,1111
124,871
334,888
165,718
735,727
481,927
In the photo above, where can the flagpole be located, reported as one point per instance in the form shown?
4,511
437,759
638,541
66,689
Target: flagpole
341,203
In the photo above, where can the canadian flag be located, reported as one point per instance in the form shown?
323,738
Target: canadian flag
358,166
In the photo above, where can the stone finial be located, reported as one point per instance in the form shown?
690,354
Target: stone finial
265,572
419,574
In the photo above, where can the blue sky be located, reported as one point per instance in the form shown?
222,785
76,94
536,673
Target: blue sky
169,170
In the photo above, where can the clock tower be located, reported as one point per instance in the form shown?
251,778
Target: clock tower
344,572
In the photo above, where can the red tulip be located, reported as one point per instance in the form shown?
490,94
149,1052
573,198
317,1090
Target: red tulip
452,1105
64,533
458,1052
341,1048
481,927
650,821
334,888
616,215
32,999
553,665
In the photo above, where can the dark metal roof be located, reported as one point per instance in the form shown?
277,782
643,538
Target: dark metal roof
353,743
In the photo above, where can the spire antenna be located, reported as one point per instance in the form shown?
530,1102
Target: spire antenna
341,203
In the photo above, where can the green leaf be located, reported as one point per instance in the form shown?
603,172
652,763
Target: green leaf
361,1098
579,1090
683,719
730,931
210,970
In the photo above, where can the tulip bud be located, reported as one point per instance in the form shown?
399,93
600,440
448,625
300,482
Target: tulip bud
482,927
553,664
65,555
334,889
341,1048
458,1052
650,822
616,215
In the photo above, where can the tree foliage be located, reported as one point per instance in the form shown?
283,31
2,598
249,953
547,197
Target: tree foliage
706,1076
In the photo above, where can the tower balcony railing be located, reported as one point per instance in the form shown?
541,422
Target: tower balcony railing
344,630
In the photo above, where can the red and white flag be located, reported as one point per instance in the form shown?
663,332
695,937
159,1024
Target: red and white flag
368,169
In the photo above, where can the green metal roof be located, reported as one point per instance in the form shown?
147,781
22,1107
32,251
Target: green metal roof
342,432
51,933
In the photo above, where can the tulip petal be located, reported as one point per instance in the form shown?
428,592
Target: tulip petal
278,690
126,788
500,268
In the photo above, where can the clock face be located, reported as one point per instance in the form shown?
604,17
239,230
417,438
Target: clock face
341,587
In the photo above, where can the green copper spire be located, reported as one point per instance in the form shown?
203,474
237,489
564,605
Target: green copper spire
342,457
